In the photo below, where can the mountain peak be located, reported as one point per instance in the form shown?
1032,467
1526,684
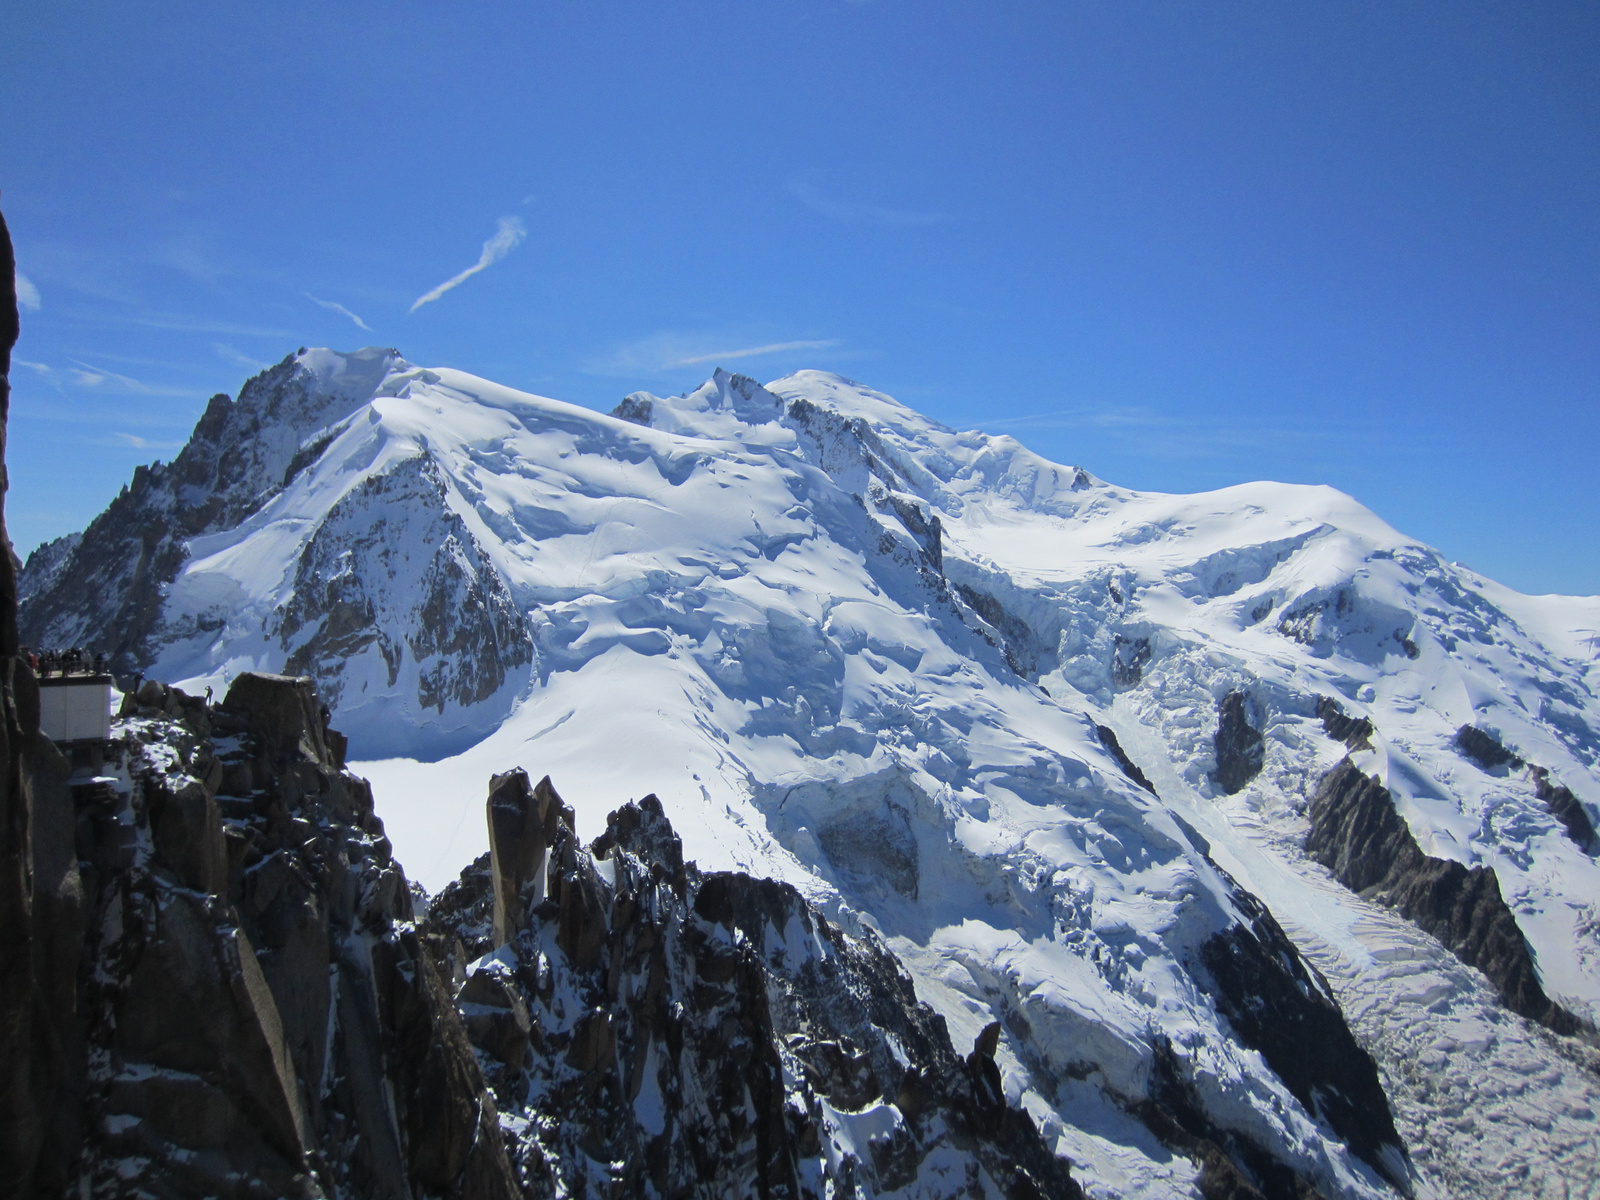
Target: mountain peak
351,374
1063,743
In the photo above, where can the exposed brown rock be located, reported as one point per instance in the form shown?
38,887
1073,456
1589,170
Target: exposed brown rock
256,1017
284,712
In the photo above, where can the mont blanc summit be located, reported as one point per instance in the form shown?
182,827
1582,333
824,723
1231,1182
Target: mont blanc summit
1264,833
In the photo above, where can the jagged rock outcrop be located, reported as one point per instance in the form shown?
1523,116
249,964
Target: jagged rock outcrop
1484,748
652,1030
522,828
1357,834
1239,747
1354,732
1566,808
1108,739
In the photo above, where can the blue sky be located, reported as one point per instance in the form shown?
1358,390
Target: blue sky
1181,244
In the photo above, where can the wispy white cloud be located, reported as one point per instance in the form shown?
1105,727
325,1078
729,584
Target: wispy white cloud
752,352
42,368
343,311
120,438
803,189
176,324
27,294
99,379
667,351
506,239
87,375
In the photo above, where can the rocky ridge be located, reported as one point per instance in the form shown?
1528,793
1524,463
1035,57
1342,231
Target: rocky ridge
1357,834
658,1030
257,1014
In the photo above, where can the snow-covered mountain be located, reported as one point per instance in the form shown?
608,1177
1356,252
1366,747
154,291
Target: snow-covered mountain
1204,798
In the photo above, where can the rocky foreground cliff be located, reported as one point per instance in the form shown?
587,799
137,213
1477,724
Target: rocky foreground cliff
249,1003
251,1013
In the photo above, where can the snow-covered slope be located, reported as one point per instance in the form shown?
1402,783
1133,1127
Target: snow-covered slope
1051,737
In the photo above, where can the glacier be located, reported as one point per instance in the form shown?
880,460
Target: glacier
1056,741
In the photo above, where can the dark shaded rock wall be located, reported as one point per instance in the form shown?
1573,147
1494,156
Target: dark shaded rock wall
1281,1007
1239,746
261,1018
1484,748
41,902
1566,808
1357,834
1108,739
1354,732
212,985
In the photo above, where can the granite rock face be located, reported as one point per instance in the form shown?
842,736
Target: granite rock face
42,1061
523,822
652,1030
41,900
256,1012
